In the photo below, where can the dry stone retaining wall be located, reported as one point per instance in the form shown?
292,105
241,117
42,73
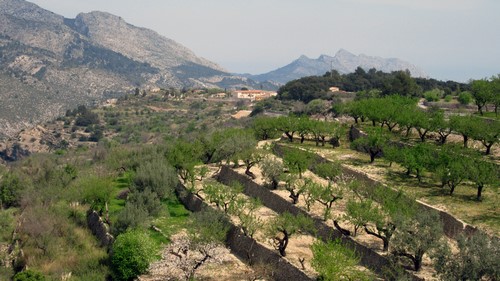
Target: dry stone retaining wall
369,258
246,248
99,229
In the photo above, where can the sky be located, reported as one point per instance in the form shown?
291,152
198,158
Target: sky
449,39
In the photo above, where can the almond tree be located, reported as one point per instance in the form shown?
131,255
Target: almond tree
482,91
372,144
452,167
381,220
221,195
296,186
333,261
326,196
245,210
288,125
272,170
488,132
297,161
284,226
251,156
483,173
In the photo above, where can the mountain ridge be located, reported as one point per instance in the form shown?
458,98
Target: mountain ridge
343,61
49,63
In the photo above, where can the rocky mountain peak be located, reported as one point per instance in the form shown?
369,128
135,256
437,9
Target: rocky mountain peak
343,61
303,58
28,11
344,54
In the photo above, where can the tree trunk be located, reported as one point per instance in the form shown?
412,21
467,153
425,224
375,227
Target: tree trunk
417,262
372,155
339,228
274,184
417,259
452,189
442,138
422,134
283,244
391,127
248,173
479,191
488,148
373,123
290,136
466,139
302,138
408,130
384,239
294,197
356,120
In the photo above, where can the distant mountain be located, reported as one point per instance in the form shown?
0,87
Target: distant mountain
49,63
343,62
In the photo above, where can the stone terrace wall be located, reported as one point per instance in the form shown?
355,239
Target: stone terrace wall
452,226
99,229
369,258
247,248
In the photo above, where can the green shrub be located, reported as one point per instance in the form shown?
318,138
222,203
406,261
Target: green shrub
448,98
157,175
11,188
29,275
132,253
6,224
433,95
140,207
97,191
465,98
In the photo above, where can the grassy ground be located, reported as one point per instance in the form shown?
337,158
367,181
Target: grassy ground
462,204
177,219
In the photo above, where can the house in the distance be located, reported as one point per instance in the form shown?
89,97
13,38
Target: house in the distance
334,89
254,95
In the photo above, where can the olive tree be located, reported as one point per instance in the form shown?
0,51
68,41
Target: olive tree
418,236
476,259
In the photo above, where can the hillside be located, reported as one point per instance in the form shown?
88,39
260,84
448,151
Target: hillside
49,63
343,61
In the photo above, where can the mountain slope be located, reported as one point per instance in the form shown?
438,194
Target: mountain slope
55,63
343,62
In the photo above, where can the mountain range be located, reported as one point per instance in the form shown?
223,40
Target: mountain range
343,62
49,63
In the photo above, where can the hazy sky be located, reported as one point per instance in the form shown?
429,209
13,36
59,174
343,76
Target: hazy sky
449,39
